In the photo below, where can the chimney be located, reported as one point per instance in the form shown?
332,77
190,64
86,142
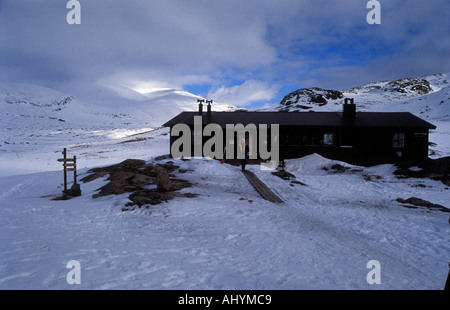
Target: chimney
208,108
200,106
349,109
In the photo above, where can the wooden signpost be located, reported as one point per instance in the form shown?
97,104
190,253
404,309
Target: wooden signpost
70,164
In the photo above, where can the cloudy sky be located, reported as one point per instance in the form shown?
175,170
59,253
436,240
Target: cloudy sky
242,52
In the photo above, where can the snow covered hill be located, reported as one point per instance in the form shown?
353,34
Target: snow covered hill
36,123
427,97
378,95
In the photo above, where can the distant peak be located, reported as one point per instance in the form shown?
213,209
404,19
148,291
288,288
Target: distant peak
409,85
314,95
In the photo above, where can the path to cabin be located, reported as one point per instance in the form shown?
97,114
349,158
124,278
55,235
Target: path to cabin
262,188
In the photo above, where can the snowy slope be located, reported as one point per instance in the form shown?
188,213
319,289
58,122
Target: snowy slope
377,95
228,237
36,123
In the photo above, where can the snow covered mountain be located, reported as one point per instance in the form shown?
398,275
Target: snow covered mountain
427,97
93,120
386,95
92,105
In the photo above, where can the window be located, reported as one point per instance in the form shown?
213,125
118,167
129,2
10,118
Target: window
328,139
398,140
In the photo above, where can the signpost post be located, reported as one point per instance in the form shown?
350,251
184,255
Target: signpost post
70,164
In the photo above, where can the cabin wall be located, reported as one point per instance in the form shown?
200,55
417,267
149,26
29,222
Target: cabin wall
363,145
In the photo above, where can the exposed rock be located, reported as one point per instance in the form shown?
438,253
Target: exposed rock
338,168
163,184
122,182
74,191
148,196
409,85
422,203
302,107
284,175
133,175
298,182
129,164
162,157
436,169
153,196
313,95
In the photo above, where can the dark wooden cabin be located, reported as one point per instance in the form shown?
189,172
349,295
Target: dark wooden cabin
364,138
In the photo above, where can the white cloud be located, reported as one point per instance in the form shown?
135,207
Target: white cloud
160,41
244,94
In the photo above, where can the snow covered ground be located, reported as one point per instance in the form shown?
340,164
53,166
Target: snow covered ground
228,237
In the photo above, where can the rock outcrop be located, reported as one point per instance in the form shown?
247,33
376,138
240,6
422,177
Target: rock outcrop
148,183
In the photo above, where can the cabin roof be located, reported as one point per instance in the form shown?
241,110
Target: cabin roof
326,119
